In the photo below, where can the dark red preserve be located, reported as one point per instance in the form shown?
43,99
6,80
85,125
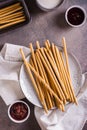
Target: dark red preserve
19,111
76,16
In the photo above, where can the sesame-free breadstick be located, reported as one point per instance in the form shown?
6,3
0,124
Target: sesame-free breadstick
11,16
41,71
12,23
57,74
9,8
50,71
36,68
31,76
44,75
65,78
48,47
45,84
10,12
12,20
67,66
47,44
43,102
59,64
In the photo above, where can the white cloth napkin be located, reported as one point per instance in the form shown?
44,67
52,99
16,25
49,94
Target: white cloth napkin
73,118
10,63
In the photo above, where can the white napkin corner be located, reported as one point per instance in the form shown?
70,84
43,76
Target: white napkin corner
73,118
10,64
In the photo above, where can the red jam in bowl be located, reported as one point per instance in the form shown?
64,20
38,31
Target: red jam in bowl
76,16
19,111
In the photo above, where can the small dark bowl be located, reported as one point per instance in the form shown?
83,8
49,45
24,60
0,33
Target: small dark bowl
19,111
75,16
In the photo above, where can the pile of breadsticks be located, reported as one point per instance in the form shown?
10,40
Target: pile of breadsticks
11,15
49,71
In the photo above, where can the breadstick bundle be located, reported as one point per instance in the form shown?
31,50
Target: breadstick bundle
11,15
50,75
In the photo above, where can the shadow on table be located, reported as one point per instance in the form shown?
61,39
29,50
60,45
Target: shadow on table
1,47
32,7
61,22
31,123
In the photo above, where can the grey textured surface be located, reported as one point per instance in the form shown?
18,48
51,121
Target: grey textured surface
45,25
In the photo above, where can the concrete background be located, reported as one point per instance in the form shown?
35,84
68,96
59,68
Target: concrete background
45,25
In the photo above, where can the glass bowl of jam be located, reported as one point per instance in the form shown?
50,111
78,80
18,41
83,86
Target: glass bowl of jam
19,111
75,16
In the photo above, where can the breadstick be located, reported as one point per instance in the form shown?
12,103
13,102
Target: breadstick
59,64
57,74
60,84
36,67
45,84
12,23
43,73
42,67
64,74
51,73
55,103
10,12
47,44
6,9
12,20
31,76
37,44
40,90
44,77
68,70
58,67
11,16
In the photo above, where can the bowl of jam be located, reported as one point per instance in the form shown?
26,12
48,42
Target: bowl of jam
75,16
19,111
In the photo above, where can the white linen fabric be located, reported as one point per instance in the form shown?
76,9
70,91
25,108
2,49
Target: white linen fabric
10,63
74,116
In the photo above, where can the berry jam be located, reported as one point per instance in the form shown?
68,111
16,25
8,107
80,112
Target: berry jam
19,111
75,16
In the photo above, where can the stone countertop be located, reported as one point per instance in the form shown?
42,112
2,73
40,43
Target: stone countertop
45,25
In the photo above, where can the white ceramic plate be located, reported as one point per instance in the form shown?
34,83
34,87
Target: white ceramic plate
28,89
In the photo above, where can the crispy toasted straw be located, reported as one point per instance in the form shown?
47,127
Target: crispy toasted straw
45,84
68,70
34,63
40,90
10,12
56,54
57,74
65,79
12,23
9,8
44,76
48,47
32,78
12,16
50,71
12,20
